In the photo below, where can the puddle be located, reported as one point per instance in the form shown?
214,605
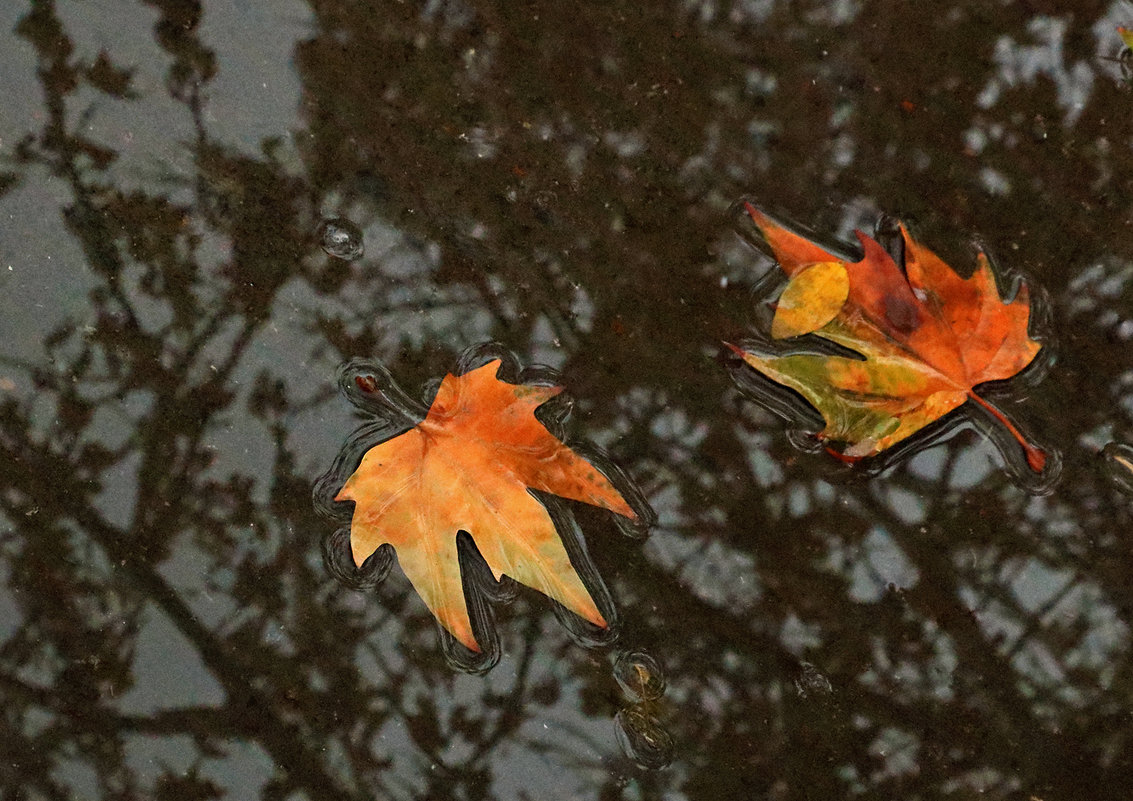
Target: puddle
557,179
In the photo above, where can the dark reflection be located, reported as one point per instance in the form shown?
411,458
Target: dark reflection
556,178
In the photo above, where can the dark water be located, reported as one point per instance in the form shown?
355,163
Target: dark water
556,177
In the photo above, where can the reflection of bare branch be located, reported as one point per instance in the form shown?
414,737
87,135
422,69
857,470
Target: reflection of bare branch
281,739
200,722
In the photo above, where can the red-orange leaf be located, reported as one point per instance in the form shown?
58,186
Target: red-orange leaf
928,337
468,466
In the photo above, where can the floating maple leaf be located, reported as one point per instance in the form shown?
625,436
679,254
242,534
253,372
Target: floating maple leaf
470,466
926,336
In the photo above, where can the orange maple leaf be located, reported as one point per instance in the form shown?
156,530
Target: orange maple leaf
468,467
926,336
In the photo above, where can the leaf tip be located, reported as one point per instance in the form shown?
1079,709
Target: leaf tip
356,551
1036,457
872,249
472,645
583,605
791,250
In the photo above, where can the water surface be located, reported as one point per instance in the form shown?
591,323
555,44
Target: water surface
555,177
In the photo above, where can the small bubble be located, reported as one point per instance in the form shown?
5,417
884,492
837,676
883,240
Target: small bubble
1119,465
643,738
639,676
340,238
810,682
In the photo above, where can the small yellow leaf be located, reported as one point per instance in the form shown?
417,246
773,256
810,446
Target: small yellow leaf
812,298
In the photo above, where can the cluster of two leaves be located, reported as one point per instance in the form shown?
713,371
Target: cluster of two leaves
920,339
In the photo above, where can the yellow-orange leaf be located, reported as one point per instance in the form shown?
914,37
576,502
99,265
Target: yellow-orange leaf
468,467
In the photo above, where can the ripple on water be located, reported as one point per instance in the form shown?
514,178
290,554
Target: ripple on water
341,239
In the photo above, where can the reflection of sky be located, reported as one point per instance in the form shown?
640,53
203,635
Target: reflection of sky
1024,62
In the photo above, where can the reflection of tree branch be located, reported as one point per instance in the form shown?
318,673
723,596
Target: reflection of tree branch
284,741
26,765
169,454
1022,735
203,723
510,705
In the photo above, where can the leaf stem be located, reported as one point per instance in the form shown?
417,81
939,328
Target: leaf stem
1036,457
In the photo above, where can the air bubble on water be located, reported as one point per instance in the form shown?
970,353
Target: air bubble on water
1119,465
810,682
340,238
639,676
643,738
